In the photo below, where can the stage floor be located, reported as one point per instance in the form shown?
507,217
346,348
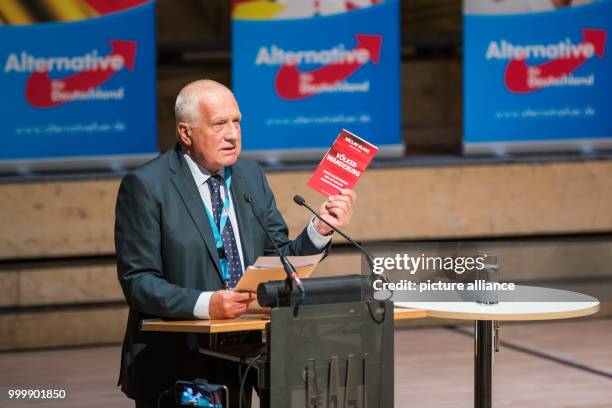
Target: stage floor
557,364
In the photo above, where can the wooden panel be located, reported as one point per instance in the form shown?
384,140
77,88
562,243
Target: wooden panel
68,284
337,264
76,218
97,326
468,201
57,218
7,332
78,283
9,288
62,328
107,325
539,261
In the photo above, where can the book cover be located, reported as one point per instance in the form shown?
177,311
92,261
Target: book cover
343,164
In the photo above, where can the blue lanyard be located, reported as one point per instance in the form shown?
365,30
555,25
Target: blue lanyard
222,221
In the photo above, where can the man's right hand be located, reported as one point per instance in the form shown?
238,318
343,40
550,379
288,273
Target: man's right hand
227,304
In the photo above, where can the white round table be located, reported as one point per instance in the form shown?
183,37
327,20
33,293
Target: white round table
577,305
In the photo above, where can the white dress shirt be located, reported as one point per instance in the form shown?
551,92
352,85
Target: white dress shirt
201,176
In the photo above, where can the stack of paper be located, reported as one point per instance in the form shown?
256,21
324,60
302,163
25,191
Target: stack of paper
269,268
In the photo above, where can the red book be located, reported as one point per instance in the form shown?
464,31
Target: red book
343,164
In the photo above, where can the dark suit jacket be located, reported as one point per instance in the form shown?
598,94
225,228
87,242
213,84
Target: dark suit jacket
166,257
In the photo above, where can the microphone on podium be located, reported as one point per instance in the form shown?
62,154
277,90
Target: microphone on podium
289,269
299,200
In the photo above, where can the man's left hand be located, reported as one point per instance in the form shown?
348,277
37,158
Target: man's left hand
337,210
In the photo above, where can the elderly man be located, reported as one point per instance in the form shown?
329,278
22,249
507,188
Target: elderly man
184,235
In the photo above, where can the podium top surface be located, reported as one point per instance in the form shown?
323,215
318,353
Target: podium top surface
244,323
574,305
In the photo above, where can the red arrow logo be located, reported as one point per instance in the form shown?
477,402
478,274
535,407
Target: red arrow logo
288,78
518,72
40,87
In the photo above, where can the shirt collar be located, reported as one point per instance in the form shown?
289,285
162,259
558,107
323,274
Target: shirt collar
200,174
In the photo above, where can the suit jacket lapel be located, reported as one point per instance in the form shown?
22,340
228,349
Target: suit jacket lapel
243,214
183,182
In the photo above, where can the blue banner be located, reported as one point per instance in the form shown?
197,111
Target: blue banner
537,77
301,74
79,90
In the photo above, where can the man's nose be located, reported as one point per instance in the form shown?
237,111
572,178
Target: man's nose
233,132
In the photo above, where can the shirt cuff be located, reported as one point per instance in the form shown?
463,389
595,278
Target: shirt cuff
201,307
318,240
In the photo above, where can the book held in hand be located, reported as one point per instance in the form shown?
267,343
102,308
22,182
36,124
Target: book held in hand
343,164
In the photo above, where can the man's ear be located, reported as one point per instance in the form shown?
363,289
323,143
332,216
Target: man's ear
184,133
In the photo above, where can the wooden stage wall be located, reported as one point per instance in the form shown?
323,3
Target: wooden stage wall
57,273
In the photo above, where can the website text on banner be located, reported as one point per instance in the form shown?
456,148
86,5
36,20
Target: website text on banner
78,91
538,76
301,70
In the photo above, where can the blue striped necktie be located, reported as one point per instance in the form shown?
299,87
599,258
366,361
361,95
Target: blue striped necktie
227,235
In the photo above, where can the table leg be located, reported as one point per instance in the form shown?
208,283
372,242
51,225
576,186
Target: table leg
483,363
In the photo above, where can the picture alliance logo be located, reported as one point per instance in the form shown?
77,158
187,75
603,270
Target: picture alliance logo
56,80
525,73
293,81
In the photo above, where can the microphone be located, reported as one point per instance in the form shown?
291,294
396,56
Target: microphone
289,269
299,200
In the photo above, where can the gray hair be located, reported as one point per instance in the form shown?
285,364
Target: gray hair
186,107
